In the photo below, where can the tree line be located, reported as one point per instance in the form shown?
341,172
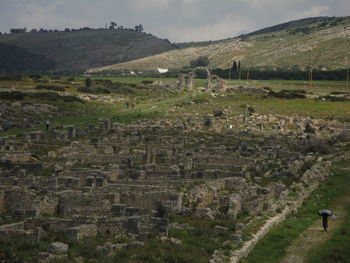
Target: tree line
110,25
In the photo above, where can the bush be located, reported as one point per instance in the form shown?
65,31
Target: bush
309,128
316,145
35,77
54,88
102,90
339,93
207,121
146,82
11,95
88,82
335,99
218,113
12,77
287,94
201,61
86,90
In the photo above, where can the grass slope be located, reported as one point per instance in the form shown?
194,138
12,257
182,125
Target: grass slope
319,42
80,50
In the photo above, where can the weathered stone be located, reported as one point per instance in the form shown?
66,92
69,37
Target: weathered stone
58,248
133,225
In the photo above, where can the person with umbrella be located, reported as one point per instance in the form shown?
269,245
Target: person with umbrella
325,214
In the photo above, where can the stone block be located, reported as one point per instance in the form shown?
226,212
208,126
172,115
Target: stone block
58,248
133,211
118,210
133,225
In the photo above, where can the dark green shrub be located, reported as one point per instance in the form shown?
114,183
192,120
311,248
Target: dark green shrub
218,113
146,82
12,77
287,94
11,95
86,90
54,88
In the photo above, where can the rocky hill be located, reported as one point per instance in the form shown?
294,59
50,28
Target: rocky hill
83,49
321,42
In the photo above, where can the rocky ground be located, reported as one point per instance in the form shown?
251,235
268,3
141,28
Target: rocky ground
212,183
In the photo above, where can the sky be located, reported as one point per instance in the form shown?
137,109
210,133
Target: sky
176,20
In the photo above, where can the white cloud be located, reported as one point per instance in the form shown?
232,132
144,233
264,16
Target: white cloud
178,20
142,6
229,26
318,10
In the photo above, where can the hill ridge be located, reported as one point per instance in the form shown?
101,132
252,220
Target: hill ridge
319,42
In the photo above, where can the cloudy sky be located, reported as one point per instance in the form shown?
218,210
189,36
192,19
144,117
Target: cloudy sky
177,20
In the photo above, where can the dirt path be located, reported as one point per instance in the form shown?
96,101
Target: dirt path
314,235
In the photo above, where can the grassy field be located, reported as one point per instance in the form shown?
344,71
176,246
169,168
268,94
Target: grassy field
336,249
272,247
155,104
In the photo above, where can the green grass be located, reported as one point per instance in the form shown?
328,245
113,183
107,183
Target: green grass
273,246
337,248
154,104
197,244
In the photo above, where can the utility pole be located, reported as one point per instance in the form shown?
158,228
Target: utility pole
248,74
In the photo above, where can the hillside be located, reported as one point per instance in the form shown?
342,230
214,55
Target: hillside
320,42
15,59
83,49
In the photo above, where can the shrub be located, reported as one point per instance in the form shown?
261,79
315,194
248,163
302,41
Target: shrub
86,90
102,90
146,82
288,94
218,113
335,99
201,61
316,145
11,95
55,88
207,121
12,77
88,82
309,128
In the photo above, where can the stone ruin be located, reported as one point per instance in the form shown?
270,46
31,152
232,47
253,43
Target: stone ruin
119,182
188,80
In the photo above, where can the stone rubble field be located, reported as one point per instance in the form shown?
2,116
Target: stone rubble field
129,184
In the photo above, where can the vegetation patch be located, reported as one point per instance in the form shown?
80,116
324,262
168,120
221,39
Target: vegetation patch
54,88
288,94
336,249
273,246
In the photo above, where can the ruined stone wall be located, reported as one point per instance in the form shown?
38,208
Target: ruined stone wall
314,176
19,199
149,200
82,231
111,226
2,201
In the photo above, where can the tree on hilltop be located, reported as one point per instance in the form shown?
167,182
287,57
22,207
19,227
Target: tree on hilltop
18,30
139,28
112,25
